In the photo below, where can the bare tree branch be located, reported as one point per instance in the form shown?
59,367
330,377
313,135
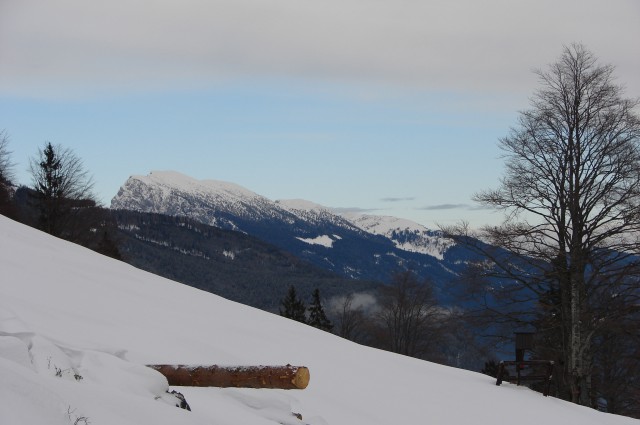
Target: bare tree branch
571,197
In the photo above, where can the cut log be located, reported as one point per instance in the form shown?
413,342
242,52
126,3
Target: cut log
277,377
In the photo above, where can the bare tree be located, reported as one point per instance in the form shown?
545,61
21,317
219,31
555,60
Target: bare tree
351,320
571,198
6,165
409,314
6,177
62,188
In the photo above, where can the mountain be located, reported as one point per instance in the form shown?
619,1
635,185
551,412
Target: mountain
405,234
357,247
78,328
228,263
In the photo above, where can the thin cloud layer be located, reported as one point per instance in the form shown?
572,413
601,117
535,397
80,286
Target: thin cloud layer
409,198
485,46
468,207
440,207
353,210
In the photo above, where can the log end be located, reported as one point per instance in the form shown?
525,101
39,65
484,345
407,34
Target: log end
301,378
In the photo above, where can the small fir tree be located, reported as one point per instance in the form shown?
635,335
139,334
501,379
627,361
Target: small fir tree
317,317
490,368
292,307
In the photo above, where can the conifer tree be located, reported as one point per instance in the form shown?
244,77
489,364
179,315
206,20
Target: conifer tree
317,317
292,307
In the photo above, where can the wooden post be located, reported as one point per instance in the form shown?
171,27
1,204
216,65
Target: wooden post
277,377
500,373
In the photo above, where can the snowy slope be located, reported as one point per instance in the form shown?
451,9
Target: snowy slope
405,234
67,309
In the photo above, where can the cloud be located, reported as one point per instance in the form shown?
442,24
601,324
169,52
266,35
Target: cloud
446,207
487,46
354,210
359,300
466,207
408,198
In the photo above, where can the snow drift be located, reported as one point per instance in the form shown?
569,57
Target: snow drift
77,328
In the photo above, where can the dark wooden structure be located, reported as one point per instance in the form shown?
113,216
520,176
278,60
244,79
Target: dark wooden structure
525,370
524,342
276,377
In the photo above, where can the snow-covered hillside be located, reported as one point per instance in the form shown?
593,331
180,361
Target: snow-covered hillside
77,328
405,234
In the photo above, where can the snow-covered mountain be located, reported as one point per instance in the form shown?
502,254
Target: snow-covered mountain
357,246
209,201
78,328
405,234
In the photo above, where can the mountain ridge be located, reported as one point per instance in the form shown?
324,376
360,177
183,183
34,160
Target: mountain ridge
167,190
361,247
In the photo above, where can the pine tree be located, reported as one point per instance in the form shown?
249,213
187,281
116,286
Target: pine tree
317,317
292,307
49,189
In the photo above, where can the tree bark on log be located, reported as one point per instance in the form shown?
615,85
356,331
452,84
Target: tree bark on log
275,377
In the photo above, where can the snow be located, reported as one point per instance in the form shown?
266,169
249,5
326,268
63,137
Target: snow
77,328
324,240
173,193
176,180
424,241
300,205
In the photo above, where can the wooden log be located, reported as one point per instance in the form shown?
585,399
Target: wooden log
276,377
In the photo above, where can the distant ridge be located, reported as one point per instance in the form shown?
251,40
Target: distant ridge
356,246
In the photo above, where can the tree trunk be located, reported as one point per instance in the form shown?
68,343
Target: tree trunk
575,343
277,377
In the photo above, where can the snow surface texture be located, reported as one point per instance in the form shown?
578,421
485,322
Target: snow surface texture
77,328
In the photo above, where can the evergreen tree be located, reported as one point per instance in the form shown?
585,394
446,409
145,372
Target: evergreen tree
292,307
317,317
49,190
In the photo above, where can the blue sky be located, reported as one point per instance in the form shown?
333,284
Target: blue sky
390,107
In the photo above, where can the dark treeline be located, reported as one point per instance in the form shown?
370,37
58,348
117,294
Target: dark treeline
60,200
403,317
